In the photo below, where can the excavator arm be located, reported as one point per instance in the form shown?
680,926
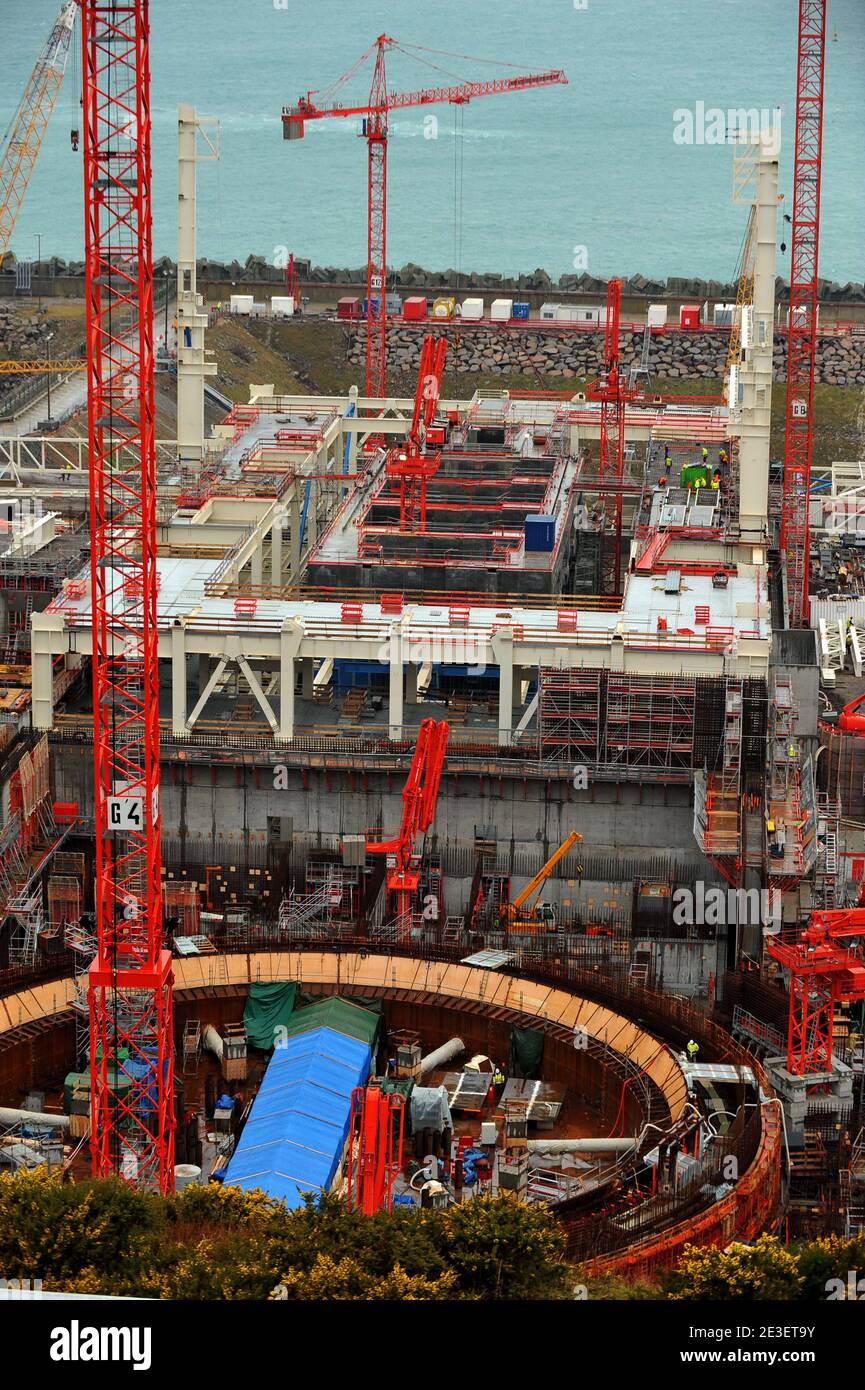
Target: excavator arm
849,720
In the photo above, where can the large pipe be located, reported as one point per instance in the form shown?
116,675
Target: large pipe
445,1053
580,1146
212,1041
32,1117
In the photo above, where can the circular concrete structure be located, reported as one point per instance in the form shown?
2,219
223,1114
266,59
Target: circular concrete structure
591,1047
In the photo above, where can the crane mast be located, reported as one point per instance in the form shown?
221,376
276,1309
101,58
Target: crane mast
130,985
40,97
802,318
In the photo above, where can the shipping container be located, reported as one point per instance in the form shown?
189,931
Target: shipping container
689,316
241,303
548,311
501,309
348,308
588,315
414,307
540,533
282,305
722,315
567,313
393,304
472,309
521,309
656,316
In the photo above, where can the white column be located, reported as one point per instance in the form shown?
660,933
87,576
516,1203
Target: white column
395,685
191,321
755,369
47,639
503,651
289,646
178,679
276,552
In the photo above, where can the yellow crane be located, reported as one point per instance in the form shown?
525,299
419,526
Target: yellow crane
536,915
42,364
21,149
744,291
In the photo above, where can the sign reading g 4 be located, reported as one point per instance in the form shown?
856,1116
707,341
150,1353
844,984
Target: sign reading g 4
126,813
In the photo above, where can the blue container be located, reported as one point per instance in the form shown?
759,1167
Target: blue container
520,310
540,533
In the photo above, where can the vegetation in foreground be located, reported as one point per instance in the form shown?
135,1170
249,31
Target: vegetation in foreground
210,1242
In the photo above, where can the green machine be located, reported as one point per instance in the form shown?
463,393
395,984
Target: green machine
696,475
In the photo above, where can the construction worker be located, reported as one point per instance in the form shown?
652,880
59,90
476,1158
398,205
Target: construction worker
849,643
716,480
722,458
692,1049
791,750
704,452
662,481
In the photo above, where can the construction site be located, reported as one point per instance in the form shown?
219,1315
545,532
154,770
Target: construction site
420,797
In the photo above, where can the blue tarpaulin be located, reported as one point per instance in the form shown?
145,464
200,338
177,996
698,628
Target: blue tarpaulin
293,1140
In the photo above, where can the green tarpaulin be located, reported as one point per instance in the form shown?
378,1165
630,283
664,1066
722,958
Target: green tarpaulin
527,1053
372,1006
340,1015
269,1006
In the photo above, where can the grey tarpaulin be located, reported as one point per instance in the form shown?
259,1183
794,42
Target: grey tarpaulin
430,1109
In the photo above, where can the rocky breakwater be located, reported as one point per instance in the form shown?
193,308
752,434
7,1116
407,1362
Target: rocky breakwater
508,352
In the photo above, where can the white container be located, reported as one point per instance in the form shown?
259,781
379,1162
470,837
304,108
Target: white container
241,303
588,315
567,313
472,309
723,315
656,316
185,1174
502,309
548,311
282,306
488,1132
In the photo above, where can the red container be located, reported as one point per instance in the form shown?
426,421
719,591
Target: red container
348,308
689,316
414,307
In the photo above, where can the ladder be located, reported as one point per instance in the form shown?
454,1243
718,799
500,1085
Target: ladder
641,368
452,934
191,1043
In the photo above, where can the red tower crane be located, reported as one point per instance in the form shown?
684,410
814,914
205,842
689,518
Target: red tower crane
375,1142
130,984
802,318
409,463
613,395
823,971
419,797
374,114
